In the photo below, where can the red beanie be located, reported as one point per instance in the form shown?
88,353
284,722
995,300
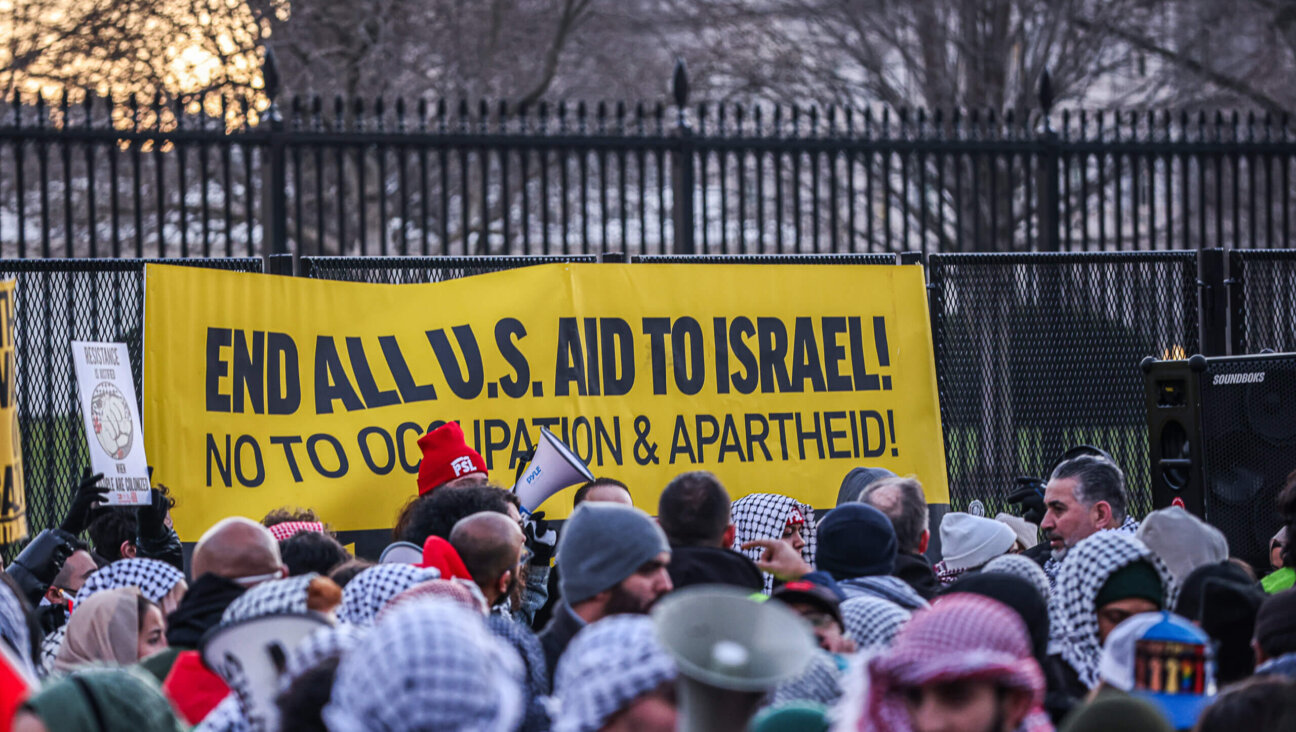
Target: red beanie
446,456
194,690
439,553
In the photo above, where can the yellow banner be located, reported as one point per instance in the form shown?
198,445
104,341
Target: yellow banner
263,391
13,500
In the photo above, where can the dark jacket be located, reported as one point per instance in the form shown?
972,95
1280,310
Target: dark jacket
917,573
704,565
1040,553
199,611
557,634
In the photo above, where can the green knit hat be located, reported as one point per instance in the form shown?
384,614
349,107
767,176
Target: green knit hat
1138,579
105,700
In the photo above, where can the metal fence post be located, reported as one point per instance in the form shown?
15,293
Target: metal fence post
1237,312
682,174
274,208
1213,291
1050,210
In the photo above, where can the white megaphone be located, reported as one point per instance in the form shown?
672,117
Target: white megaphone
730,651
553,467
250,655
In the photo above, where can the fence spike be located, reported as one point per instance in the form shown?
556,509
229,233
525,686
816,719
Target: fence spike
483,115
1045,94
680,85
87,106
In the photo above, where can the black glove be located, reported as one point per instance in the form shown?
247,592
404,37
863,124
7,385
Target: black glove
153,516
83,499
1030,494
39,563
541,539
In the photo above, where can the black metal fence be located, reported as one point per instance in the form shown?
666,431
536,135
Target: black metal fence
1035,352
87,176
1038,353
59,301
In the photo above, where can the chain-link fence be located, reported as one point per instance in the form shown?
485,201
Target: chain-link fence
1038,353
59,301
1263,290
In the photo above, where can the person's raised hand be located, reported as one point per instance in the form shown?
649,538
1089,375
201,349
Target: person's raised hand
1030,495
87,493
779,559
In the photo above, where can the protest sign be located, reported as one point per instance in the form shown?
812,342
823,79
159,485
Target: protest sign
112,421
265,391
13,504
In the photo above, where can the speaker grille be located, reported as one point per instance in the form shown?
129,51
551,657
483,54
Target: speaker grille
1249,431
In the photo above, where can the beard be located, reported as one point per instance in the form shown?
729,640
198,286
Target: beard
625,603
1057,554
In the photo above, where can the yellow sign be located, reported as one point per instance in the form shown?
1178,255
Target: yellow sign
13,501
265,391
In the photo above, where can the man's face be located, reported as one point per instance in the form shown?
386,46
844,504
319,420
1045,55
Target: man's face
1066,520
640,591
75,570
964,706
1114,613
517,580
608,493
651,712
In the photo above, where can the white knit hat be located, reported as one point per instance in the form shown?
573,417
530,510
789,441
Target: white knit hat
969,541
1027,533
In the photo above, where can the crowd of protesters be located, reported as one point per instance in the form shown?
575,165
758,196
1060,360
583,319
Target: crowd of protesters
1071,616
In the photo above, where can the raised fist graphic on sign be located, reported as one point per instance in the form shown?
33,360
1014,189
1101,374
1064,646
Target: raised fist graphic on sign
112,420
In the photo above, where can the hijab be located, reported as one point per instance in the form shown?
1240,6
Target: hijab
104,629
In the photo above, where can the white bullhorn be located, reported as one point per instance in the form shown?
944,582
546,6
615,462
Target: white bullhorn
553,468
249,656
730,651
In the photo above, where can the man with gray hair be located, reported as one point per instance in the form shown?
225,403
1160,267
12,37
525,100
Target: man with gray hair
1085,495
903,501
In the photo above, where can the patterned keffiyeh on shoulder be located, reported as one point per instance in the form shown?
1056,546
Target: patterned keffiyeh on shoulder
1073,613
276,597
367,593
764,516
155,579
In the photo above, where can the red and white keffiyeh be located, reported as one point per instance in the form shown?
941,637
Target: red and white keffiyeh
289,529
962,636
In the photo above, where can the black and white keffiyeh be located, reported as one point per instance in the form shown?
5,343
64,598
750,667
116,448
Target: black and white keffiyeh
155,579
528,648
1053,564
14,629
609,664
225,717
872,621
1023,567
1087,568
277,597
764,516
428,665
322,645
368,592
820,683
892,589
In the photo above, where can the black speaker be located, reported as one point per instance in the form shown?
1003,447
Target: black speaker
1221,433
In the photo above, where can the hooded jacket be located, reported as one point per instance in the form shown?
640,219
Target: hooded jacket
1074,614
915,571
705,565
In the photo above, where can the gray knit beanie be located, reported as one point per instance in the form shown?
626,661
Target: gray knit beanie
602,544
